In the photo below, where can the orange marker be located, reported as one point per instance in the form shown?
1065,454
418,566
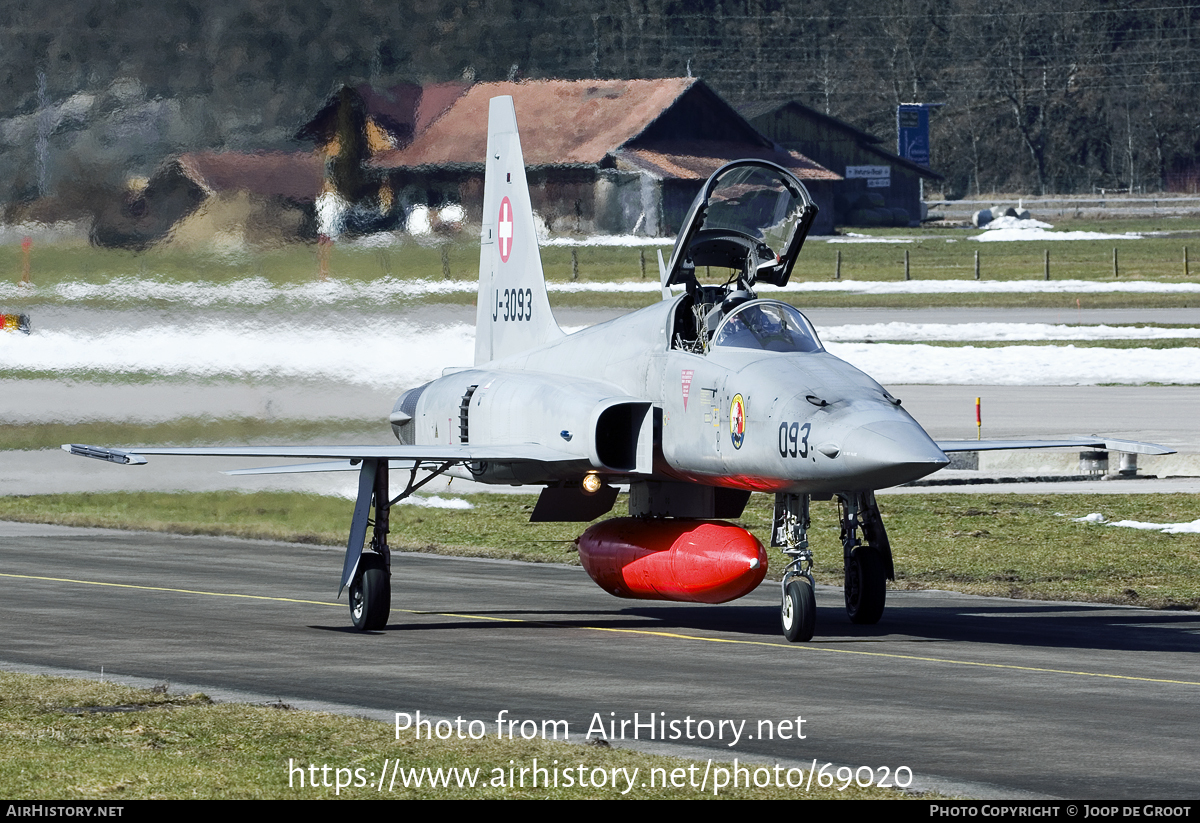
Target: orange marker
978,421
26,245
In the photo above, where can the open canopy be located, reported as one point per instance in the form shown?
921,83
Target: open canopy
751,216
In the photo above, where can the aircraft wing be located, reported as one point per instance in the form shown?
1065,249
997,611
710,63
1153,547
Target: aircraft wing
364,459
519,453
1094,442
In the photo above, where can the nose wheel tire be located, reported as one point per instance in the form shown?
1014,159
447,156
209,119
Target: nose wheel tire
799,612
370,593
866,586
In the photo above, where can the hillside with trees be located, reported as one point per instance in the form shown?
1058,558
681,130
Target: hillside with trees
1035,96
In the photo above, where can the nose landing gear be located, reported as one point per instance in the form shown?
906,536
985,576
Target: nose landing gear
868,565
799,612
789,532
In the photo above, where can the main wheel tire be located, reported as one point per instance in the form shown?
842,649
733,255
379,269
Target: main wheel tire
799,613
370,593
866,586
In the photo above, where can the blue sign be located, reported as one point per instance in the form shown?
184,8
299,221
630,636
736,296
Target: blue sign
912,132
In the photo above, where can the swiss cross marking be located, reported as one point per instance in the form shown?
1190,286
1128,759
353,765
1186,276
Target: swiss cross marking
506,229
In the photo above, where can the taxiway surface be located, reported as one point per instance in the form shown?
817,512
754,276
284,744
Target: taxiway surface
1014,698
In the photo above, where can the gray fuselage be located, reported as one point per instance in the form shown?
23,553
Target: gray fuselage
808,421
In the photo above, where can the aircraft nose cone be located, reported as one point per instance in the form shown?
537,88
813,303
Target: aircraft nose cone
890,452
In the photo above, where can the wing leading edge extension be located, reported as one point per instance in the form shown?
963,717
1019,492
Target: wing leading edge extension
371,462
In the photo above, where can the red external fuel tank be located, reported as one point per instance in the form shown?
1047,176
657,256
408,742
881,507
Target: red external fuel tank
694,561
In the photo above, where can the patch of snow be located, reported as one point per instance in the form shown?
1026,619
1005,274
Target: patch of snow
331,213
390,354
891,363
376,354
1016,223
434,501
609,240
258,291
419,222
992,235
851,237
918,332
985,287
1166,528
607,288
453,213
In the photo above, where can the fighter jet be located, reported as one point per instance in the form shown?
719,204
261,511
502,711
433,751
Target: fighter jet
694,403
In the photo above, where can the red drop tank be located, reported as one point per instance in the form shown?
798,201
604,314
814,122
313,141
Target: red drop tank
694,561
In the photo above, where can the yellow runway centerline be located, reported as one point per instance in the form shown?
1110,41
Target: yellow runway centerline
805,647
167,589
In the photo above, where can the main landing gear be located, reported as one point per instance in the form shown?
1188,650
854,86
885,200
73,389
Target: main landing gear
868,566
369,573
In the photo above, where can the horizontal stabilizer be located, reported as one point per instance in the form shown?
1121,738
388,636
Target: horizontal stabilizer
1132,446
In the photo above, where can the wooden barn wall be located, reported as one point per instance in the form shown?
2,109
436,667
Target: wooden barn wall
836,149
564,197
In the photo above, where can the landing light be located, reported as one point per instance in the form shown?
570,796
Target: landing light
591,483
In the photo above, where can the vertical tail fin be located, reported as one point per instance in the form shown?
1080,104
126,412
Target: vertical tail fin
513,311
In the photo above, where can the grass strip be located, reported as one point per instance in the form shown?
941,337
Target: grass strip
185,431
83,739
933,255
1008,545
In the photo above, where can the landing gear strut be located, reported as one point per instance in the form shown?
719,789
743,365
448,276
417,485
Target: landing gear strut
789,532
868,566
867,560
370,571
371,587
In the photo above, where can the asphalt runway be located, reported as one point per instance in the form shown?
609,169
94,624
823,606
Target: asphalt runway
991,697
